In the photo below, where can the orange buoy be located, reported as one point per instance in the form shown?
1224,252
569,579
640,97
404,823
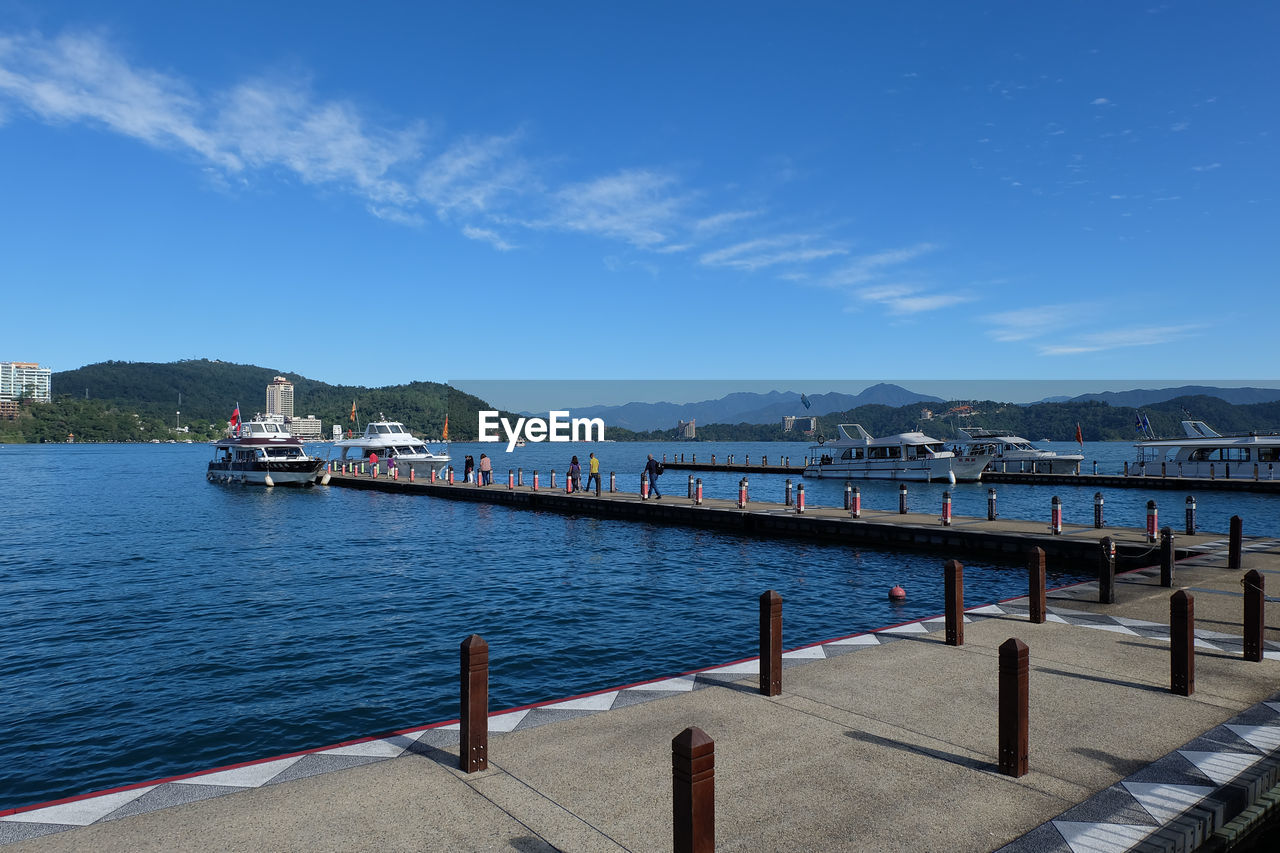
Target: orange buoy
897,594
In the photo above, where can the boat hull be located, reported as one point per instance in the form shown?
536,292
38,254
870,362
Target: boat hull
288,473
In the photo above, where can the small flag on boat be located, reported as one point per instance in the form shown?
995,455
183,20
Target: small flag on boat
805,400
1137,423
446,427
234,423
353,411
1079,436
1146,424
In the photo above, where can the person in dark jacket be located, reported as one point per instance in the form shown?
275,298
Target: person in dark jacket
654,471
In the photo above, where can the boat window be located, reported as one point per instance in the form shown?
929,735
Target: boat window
383,430
1200,454
1235,454
419,448
876,453
1269,454
895,452
848,454
396,428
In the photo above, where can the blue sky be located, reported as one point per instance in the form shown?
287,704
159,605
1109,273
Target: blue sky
378,193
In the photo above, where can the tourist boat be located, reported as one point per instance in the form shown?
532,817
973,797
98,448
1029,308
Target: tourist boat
905,456
1006,452
262,451
394,446
1203,452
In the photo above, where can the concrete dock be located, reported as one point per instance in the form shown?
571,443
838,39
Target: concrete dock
878,742
883,527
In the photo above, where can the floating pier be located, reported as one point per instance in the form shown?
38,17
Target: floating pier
875,527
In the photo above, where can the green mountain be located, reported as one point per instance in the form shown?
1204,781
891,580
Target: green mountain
98,402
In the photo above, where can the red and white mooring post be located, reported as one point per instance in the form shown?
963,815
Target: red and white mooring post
742,493
644,486
511,479
1151,521
800,498
946,509
535,481
568,483
395,473
855,508
1055,516
450,475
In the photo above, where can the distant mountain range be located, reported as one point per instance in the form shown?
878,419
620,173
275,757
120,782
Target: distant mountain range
747,407
1151,396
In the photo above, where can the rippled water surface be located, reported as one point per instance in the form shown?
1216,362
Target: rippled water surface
153,624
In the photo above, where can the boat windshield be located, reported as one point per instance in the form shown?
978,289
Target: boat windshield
383,429
396,428
283,452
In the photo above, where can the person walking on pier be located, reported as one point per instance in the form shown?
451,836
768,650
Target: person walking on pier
575,474
486,470
593,472
654,470
468,465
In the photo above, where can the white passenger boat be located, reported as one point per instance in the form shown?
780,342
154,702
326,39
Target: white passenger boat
394,446
1006,452
261,451
1203,452
905,456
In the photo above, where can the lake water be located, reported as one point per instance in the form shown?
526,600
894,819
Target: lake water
152,623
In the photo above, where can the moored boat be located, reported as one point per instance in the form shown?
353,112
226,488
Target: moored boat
394,446
1006,452
261,451
1204,452
905,456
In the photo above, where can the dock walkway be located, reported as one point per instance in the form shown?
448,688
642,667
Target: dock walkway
883,741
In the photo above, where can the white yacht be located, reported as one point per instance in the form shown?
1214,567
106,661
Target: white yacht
394,446
905,456
1203,452
262,451
1005,452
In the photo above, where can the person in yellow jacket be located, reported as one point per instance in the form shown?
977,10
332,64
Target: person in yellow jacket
593,472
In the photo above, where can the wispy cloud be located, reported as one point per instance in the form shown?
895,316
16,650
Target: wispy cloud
1100,102
1021,324
871,267
472,175
1206,168
1138,336
911,299
771,251
719,221
486,235
639,206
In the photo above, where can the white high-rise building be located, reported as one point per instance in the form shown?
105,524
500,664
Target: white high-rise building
25,380
280,397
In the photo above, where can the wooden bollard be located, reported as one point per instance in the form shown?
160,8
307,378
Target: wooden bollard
1166,557
473,741
1035,586
1236,543
1015,729
1254,615
1182,643
693,789
771,644
1107,571
953,583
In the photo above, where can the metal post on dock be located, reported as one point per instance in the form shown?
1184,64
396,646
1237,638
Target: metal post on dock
1107,571
946,509
848,496
613,482
1254,602
953,593
473,740
1166,556
1055,516
693,786
644,485
1035,587
690,487
902,499
511,479
1097,511
800,498
1191,515
450,475
771,644
787,493
1015,730
1153,516
553,478
535,481
1235,543
1182,649
697,492
855,509
1095,467
742,493
519,476
991,505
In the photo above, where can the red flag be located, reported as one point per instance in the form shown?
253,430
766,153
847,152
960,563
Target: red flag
353,411
1079,436
234,423
446,427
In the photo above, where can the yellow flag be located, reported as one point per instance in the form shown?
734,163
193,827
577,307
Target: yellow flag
353,411
446,427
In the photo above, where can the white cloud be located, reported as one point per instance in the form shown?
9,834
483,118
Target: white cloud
1208,168
1020,324
870,267
771,251
1099,102
488,236
1179,126
719,221
638,206
472,174
1138,336
395,214
911,299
